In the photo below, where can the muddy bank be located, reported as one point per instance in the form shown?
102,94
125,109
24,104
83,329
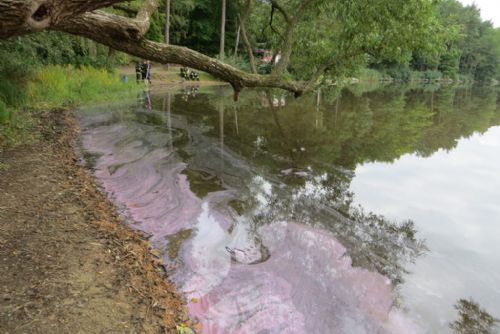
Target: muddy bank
68,265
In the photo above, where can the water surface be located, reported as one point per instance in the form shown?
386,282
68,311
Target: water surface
353,211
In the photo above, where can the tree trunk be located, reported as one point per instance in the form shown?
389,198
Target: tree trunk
237,41
248,46
222,30
167,24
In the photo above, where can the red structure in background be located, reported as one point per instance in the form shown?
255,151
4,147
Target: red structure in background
264,55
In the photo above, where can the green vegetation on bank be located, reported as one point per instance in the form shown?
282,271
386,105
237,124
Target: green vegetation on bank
465,49
428,41
52,87
440,40
51,70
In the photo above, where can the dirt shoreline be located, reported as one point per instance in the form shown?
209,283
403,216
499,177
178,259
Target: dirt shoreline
68,263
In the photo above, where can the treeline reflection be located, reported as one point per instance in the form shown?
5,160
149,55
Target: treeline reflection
313,144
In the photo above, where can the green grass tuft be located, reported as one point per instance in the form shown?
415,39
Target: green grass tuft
55,86
52,87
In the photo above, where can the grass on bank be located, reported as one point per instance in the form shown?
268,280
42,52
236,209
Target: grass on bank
52,87
56,86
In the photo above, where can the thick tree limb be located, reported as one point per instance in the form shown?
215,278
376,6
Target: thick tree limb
18,17
111,31
142,20
126,34
118,27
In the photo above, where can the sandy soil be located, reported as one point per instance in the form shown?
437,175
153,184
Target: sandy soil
67,263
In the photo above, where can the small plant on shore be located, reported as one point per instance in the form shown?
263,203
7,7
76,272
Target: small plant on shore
4,166
183,329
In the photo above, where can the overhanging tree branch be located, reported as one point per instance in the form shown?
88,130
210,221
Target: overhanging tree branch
80,17
118,27
18,17
164,53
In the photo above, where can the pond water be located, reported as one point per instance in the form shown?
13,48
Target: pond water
365,210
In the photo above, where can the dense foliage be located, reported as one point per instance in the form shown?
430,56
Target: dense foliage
437,38
22,55
397,37
466,46
440,37
32,75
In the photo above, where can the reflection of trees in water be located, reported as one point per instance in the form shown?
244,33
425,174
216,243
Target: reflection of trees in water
472,319
458,115
379,125
323,200
349,129
375,126
383,245
373,241
325,143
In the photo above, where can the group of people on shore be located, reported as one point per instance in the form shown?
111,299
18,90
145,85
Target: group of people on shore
143,71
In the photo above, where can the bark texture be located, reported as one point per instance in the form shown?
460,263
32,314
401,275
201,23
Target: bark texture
222,30
18,17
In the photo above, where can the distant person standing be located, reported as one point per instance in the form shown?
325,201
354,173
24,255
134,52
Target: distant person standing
138,72
146,71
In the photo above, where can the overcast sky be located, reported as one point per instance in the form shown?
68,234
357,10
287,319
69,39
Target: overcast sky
490,9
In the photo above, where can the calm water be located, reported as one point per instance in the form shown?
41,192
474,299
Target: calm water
353,211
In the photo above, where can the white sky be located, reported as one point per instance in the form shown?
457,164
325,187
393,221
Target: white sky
490,9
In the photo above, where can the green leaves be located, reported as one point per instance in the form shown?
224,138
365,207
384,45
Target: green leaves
183,329
344,35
